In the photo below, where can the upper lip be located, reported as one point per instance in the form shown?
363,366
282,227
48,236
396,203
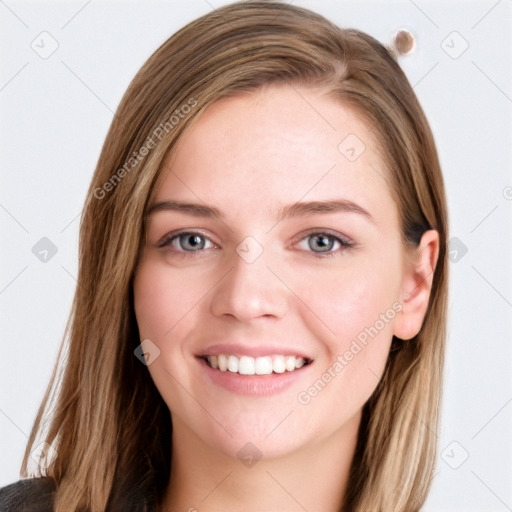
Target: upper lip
253,350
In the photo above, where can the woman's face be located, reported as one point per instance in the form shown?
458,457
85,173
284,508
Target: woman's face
273,247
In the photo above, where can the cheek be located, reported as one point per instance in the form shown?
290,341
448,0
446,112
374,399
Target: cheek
163,298
154,303
165,304
361,317
169,307
353,296
357,306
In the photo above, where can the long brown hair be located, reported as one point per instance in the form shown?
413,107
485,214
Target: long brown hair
108,425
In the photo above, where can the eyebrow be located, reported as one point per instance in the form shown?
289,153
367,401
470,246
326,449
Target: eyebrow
299,209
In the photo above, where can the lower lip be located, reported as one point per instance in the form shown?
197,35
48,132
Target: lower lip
255,385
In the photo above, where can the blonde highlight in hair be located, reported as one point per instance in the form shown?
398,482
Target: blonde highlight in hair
108,424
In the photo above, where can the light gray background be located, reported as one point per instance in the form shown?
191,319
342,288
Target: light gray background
55,113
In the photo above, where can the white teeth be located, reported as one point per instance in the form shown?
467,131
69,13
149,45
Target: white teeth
278,364
233,364
222,361
263,365
246,365
289,362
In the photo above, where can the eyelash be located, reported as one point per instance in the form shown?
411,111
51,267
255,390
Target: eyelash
344,242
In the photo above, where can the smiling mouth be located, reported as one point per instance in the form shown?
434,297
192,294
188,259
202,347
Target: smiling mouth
246,365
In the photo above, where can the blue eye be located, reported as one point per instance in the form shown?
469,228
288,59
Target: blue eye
191,243
321,243
325,244
186,242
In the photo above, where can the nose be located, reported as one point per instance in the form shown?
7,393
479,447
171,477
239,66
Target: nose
250,289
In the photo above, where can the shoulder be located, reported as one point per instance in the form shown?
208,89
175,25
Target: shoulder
30,495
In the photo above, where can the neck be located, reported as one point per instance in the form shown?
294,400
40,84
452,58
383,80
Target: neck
312,478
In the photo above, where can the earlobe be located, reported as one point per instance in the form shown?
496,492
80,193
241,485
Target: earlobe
417,286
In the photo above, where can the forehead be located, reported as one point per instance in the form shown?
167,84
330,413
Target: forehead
276,145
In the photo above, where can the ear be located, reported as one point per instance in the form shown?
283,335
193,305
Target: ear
417,285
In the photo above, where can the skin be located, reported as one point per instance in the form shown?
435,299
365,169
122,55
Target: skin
249,156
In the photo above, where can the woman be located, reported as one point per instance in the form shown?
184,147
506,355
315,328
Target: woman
259,320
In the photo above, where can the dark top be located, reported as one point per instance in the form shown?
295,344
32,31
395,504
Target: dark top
31,495
36,495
